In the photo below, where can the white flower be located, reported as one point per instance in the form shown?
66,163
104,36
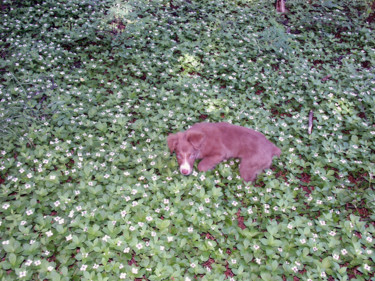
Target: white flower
69,237
193,265
22,274
122,275
336,257
134,270
344,252
139,246
6,206
83,267
367,267
49,233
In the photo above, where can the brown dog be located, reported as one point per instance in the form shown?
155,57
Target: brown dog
215,142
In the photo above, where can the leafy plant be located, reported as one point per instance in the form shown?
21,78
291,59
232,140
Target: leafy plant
90,91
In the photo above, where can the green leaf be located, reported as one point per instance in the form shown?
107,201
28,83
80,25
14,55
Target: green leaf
163,224
12,259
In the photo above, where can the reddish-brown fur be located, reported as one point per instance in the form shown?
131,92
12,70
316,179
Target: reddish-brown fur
215,142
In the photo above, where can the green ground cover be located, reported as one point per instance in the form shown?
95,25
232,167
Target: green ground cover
89,92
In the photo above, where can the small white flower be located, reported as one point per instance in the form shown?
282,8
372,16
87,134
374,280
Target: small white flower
6,206
22,274
83,267
122,275
134,270
49,233
193,265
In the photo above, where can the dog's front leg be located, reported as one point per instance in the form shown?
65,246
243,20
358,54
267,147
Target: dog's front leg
208,163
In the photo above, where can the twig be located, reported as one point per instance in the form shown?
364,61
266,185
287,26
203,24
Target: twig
311,116
280,6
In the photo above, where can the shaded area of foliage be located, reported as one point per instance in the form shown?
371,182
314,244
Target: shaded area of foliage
90,90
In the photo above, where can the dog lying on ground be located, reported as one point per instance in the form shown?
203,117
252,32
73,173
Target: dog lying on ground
215,142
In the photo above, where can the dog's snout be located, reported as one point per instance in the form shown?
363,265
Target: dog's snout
185,172
185,168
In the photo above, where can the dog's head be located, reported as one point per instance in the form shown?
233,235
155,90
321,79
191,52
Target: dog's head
186,145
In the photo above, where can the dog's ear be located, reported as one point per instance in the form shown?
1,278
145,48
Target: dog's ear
172,141
195,138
